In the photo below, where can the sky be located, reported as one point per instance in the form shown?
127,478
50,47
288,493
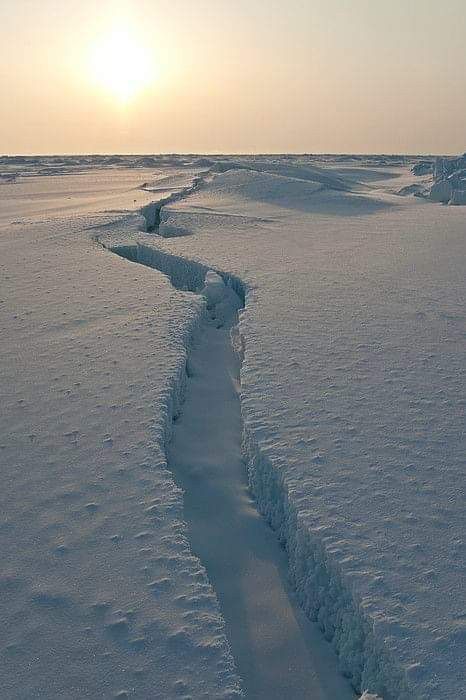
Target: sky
232,76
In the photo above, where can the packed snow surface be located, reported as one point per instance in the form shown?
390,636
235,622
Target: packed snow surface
352,401
100,594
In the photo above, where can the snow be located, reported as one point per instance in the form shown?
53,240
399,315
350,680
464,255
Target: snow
353,407
449,186
100,593
423,167
352,419
243,558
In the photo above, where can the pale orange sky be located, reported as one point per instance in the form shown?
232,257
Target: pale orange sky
222,76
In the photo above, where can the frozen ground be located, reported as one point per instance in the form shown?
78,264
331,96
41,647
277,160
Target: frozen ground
352,400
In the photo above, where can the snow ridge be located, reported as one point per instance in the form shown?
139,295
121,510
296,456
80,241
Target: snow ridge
322,592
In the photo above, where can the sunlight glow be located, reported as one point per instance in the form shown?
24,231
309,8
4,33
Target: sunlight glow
120,65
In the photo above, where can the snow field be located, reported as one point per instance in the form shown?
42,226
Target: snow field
352,400
276,658
101,594
353,404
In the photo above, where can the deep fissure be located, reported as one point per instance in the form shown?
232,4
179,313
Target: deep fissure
297,651
322,595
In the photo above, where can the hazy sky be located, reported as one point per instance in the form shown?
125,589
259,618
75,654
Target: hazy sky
232,76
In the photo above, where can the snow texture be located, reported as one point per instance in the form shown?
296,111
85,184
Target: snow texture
353,405
352,398
101,595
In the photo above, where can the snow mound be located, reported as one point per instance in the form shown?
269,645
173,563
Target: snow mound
220,296
449,185
238,188
214,288
263,186
306,173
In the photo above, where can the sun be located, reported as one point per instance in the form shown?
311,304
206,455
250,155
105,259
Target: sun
120,65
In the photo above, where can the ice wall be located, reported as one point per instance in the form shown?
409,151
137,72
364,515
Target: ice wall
449,185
